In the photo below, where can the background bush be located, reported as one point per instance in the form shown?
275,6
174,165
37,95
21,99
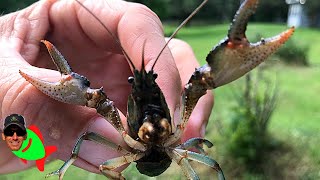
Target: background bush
247,135
294,53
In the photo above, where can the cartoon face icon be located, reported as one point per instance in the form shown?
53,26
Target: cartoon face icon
14,132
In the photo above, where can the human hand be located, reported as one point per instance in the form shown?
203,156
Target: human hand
92,52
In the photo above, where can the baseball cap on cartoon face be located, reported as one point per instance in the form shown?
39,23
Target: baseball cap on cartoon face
15,119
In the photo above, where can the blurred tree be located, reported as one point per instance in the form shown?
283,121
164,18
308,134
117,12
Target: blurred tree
220,10
217,10
185,8
313,12
7,6
272,11
160,7
247,140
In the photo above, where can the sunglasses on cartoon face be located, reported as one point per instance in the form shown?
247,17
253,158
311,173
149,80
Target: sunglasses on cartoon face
10,131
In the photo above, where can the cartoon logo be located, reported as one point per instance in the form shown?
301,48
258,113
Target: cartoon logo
27,144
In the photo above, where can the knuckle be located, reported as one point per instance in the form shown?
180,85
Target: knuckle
179,43
147,16
143,9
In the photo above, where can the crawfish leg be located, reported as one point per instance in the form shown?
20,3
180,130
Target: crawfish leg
192,93
233,57
108,167
201,159
184,164
195,143
75,89
90,136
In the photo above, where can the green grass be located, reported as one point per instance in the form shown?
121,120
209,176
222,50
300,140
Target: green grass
296,122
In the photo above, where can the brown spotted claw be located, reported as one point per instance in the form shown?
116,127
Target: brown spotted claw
72,88
235,55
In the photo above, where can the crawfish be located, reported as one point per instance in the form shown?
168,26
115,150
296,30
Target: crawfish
151,135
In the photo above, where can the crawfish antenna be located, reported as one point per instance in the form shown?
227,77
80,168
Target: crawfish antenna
178,28
113,36
143,47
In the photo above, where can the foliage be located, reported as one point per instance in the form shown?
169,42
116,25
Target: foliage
160,7
7,6
294,53
247,135
217,11
278,8
313,9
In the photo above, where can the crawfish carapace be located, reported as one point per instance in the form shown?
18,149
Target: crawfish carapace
149,121
151,136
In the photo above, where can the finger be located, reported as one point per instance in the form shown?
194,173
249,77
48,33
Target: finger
145,26
16,46
132,34
22,30
134,24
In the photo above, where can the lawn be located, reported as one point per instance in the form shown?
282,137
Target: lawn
296,121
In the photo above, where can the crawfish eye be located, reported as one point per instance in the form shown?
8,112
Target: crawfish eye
155,76
197,72
83,79
165,127
130,79
86,82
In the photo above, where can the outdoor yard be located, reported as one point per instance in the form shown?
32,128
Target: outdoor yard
295,125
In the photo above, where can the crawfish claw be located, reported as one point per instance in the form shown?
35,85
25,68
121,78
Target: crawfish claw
72,87
235,55
57,58
239,24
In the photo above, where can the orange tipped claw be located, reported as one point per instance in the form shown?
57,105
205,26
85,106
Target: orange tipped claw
235,56
70,89
286,35
57,58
